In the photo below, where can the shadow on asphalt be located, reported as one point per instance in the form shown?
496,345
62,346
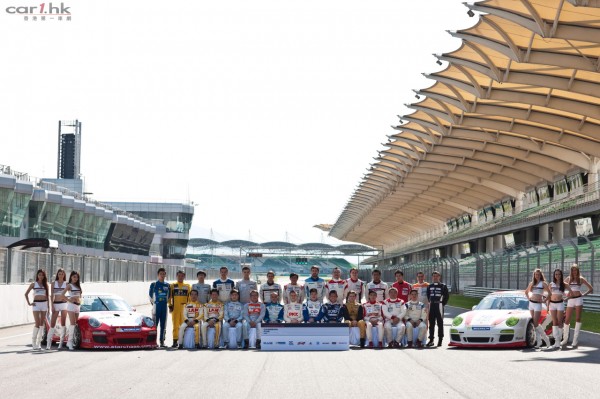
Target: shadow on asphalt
582,354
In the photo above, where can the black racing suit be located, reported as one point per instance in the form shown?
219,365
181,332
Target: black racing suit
437,294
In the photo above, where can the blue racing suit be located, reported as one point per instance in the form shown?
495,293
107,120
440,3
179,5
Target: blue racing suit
274,313
312,310
234,311
159,297
333,312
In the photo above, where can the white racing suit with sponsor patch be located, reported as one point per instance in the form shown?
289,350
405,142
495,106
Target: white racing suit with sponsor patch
292,311
416,319
393,312
372,313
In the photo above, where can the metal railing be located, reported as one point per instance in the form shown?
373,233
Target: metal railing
19,267
510,269
447,267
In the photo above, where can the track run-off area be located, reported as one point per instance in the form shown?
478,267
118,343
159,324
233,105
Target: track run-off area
357,373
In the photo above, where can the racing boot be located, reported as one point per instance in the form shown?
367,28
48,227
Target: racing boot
61,335
34,338
174,343
565,337
246,344
410,344
49,338
70,339
576,334
440,341
430,343
362,342
258,344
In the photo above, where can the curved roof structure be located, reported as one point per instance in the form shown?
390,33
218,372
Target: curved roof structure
281,245
517,105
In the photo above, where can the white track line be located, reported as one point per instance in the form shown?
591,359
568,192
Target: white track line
15,336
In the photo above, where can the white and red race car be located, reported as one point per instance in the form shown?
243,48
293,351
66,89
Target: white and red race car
108,321
501,320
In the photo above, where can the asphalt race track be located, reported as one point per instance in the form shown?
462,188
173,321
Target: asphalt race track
169,373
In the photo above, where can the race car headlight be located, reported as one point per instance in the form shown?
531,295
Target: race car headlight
148,322
457,321
512,321
94,323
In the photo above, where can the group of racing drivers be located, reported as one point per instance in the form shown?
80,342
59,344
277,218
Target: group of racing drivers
395,311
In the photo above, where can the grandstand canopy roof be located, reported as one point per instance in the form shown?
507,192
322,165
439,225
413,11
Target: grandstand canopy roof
516,106
345,249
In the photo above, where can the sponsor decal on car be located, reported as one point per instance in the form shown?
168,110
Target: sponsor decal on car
481,328
129,329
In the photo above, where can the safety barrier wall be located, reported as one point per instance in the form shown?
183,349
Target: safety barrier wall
126,278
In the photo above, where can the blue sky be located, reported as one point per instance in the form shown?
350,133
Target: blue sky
266,114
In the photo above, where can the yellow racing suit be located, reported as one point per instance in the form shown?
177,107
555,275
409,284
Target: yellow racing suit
179,296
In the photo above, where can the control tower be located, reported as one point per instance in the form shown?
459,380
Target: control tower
69,150
68,168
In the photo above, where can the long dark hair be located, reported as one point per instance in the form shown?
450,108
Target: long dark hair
561,282
58,271
78,283
534,282
572,278
44,280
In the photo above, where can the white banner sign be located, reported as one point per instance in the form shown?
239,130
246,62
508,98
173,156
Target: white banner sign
305,337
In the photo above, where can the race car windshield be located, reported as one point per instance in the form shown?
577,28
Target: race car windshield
102,304
504,303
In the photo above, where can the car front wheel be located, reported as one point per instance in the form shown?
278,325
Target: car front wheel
77,338
530,335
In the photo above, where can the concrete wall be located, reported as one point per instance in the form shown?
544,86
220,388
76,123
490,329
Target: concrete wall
14,310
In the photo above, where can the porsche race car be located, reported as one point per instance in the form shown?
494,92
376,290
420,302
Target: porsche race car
108,321
501,319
